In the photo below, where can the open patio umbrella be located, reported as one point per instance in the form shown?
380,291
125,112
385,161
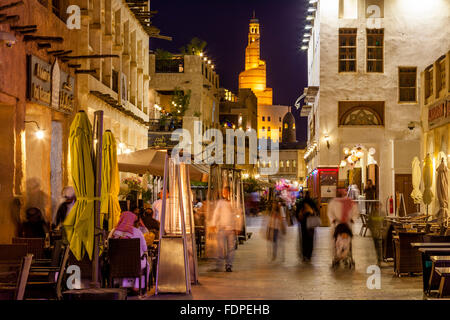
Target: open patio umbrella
416,195
442,191
427,181
152,160
110,207
79,224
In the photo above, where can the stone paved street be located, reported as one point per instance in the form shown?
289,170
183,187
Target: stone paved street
255,277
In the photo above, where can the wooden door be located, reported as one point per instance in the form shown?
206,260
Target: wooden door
403,184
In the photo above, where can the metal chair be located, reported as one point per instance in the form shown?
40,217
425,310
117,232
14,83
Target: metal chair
124,257
364,226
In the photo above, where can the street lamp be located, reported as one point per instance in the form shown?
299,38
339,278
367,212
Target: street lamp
327,140
39,133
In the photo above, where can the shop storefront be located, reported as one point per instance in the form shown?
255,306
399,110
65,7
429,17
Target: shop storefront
37,104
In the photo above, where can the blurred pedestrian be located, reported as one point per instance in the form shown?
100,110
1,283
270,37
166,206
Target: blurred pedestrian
157,205
65,207
342,213
276,228
370,192
305,209
35,225
226,222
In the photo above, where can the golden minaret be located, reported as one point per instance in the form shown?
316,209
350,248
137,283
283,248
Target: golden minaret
254,76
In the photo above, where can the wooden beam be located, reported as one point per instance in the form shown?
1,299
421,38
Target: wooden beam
31,26
62,53
85,71
157,36
74,66
93,56
11,5
43,38
44,45
54,51
10,19
27,31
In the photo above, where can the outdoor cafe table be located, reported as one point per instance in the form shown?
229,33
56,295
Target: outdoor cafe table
427,250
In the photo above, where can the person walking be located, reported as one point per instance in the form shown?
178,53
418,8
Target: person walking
370,192
342,213
226,223
157,205
65,207
277,228
306,208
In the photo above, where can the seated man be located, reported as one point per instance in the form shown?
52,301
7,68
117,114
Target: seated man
126,229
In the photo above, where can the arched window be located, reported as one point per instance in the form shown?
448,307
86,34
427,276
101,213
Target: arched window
281,164
286,126
294,163
287,164
257,163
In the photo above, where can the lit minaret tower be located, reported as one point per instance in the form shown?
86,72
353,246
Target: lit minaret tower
254,76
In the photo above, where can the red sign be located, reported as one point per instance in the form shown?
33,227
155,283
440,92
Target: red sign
436,112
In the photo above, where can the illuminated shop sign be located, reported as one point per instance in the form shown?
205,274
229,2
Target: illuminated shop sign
49,86
439,114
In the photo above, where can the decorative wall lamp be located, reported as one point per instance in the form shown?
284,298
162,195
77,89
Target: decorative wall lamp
327,140
39,133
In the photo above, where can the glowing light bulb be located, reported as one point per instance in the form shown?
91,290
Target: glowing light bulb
40,134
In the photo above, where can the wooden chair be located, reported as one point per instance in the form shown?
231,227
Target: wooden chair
15,291
407,259
35,246
124,256
51,289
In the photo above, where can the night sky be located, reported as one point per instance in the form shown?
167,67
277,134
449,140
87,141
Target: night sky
223,24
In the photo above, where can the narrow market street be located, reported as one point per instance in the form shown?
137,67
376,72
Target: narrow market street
255,277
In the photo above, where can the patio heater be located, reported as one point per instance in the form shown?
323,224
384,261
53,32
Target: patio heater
98,231
219,178
177,259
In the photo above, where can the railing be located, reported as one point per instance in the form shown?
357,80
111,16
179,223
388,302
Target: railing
174,65
164,125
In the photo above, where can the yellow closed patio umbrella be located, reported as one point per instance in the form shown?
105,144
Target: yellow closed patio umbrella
427,196
79,224
110,207
416,195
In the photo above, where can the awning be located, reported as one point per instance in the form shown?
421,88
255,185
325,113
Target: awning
152,160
